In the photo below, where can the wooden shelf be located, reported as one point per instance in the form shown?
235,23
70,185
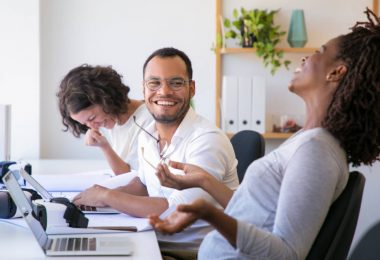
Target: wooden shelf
252,50
270,135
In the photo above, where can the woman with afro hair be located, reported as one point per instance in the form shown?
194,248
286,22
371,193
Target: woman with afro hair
279,208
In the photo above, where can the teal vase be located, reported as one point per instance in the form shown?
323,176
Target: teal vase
297,35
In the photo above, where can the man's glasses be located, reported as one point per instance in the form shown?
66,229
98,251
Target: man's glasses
174,84
160,143
162,152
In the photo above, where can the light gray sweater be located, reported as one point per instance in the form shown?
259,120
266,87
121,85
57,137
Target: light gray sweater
283,200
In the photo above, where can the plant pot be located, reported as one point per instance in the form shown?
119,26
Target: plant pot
247,38
248,41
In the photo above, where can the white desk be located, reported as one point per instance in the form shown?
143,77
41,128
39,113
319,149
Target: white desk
17,242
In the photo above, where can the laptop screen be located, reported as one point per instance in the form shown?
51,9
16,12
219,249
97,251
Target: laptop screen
24,206
40,189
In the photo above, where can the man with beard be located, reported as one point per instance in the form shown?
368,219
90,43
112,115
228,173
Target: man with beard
177,134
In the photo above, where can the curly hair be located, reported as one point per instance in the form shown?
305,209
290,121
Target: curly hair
85,86
353,116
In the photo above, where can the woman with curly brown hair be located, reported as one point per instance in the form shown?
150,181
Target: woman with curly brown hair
278,210
94,97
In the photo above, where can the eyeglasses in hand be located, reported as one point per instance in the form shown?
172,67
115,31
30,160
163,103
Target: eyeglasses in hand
162,153
160,142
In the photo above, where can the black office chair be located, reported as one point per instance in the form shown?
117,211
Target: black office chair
248,145
368,246
334,239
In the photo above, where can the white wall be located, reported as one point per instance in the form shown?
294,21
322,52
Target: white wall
123,34
19,73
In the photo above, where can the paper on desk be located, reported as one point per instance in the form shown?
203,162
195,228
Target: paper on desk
77,182
73,182
101,220
121,219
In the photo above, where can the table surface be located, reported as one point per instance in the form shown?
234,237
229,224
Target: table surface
17,242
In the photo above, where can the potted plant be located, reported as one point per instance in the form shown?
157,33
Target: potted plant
255,28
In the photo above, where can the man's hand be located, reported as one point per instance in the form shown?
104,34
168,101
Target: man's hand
94,138
93,196
194,176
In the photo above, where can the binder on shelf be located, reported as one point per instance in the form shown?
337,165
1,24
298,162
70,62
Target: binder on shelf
244,103
258,104
230,104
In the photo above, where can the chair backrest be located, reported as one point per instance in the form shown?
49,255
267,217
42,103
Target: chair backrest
368,246
248,145
334,239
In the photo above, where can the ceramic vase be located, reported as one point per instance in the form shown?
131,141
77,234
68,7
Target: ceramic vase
297,35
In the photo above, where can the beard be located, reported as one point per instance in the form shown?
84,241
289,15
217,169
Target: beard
170,119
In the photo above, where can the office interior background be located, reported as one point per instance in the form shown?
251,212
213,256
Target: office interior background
41,40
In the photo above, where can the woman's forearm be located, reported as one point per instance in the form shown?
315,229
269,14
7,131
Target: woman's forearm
117,165
220,192
224,224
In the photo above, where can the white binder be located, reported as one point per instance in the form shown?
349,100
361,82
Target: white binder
244,103
5,132
258,104
230,104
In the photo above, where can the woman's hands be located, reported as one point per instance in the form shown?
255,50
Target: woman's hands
94,137
194,176
184,216
188,214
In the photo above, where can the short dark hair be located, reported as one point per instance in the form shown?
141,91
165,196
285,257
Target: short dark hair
171,52
353,116
87,85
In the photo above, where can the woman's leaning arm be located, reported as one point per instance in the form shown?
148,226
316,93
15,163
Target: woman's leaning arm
117,165
224,224
220,192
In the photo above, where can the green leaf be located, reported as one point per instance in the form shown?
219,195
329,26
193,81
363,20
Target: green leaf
287,63
230,34
237,24
227,23
235,13
243,12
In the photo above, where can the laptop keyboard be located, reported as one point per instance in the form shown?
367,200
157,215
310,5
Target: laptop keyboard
87,208
73,244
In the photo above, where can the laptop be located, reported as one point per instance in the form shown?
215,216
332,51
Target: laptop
69,244
47,196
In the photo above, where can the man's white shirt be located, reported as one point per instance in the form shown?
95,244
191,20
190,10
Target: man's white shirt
196,141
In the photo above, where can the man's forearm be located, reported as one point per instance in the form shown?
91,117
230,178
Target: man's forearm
137,206
134,187
133,199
